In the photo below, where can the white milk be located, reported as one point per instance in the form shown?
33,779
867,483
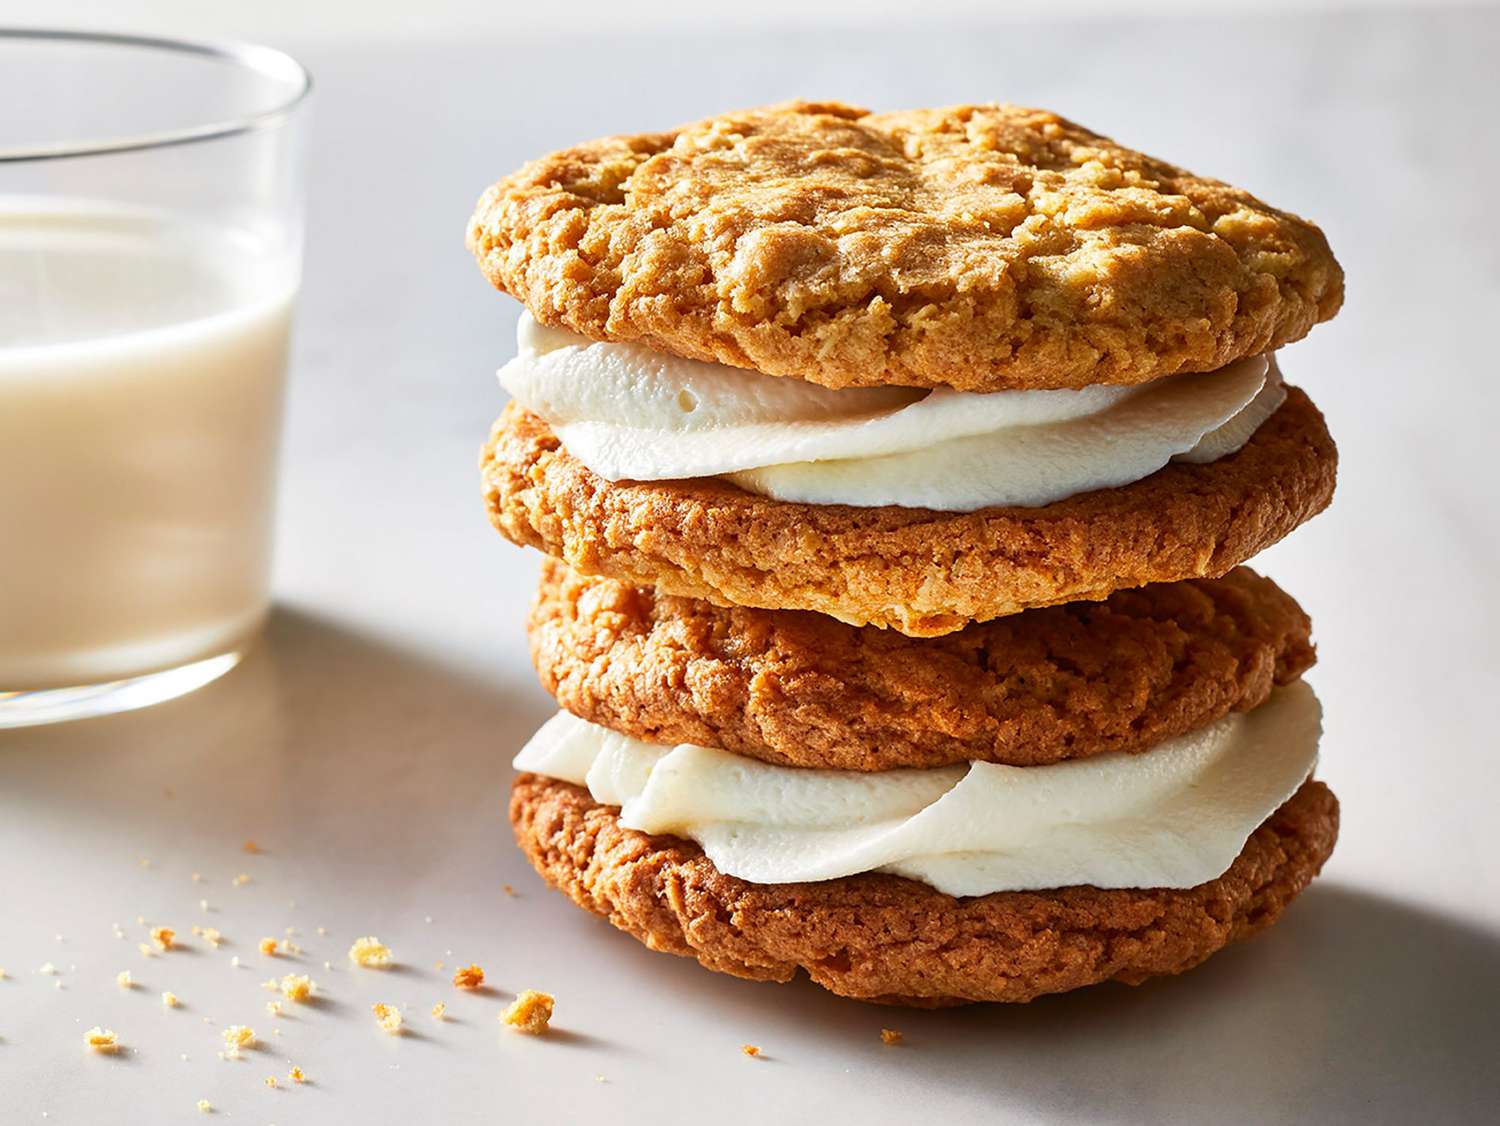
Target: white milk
142,363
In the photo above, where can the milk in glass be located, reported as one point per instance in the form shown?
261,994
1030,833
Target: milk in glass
142,364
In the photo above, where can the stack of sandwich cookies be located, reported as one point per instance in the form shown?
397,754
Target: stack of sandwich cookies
895,471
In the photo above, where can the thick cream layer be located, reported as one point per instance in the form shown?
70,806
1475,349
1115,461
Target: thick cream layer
1176,816
631,413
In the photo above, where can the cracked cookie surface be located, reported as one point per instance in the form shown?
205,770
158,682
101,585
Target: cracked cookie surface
888,939
978,247
800,689
921,572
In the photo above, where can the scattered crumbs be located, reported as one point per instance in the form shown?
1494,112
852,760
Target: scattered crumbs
890,1037
205,1107
102,1040
439,1011
251,847
508,890
235,961
274,1008
438,965
124,980
119,931
328,966
322,930
296,1075
238,1036
600,1079
530,1012
169,999
388,1017
751,1050
469,977
164,937
48,969
291,947
57,984
271,1081
203,905
209,935
145,948
140,920
297,987
269,947
370,952
3,974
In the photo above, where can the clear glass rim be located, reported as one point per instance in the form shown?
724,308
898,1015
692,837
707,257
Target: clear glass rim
267,61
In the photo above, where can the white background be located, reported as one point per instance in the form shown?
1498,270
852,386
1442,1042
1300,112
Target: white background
365,745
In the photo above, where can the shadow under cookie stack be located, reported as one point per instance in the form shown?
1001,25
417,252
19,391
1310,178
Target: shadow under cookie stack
895,473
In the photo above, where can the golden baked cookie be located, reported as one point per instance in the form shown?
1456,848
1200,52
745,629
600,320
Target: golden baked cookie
924,573
801,689
978,247
888,939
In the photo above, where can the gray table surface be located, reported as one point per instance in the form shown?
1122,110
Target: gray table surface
366,743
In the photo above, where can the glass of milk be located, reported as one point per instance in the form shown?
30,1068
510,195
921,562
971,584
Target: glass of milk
150,254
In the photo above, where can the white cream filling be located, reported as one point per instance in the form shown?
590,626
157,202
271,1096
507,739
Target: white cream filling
1175,816
629,412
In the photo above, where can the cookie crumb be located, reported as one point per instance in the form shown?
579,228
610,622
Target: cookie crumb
48,969
205,1107
268,947
530,1012
241,880
238,1036
145,949
271,1081
273,1008
102,1040
235,961
469,977
439,1011
251,847
388,1017
163,937
296,1075
209,935
296,987
508,890
197,877
169,999
321,930
890,1037
124,980
751,1050
371,953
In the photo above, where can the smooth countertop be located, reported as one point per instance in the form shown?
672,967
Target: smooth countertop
365,745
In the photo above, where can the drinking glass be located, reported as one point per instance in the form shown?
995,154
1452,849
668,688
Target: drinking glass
150,254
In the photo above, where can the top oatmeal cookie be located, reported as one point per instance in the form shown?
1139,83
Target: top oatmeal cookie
978,247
